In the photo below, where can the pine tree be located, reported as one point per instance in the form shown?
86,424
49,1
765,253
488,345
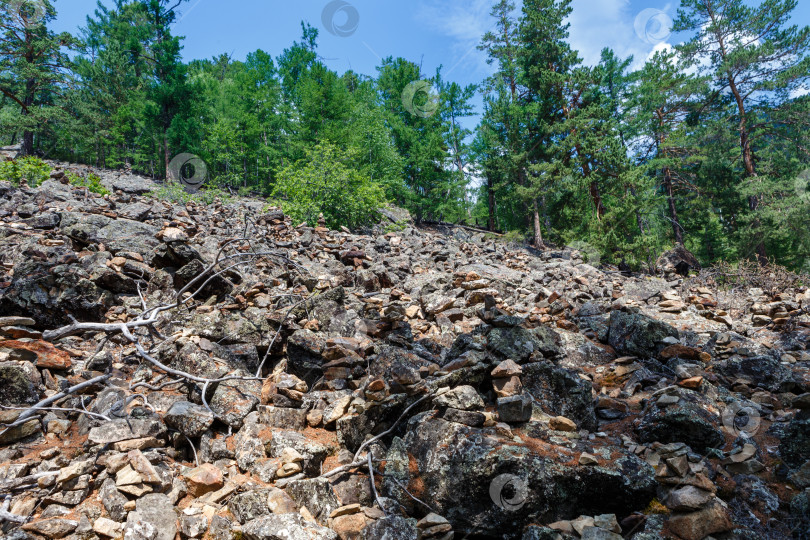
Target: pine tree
753,54
32,64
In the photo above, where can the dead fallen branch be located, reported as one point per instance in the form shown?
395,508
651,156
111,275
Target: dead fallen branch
34,409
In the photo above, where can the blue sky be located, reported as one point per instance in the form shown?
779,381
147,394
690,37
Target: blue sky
429,32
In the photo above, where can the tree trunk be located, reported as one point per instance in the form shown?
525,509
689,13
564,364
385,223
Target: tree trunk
676,226
596,196
538,233
27,147
750,168
491,203
166,156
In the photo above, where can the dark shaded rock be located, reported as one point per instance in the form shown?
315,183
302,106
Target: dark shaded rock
398,366
468,418
137,211
560,392
175,254
519,343
16,388
515,409
48,286
762,371
679,260
352,429
795,445
637,334
324,306
47,220
189,419
535,532
305,355
468,472
392,528
217,286
799,518
690,420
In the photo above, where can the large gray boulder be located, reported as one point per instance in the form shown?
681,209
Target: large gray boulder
637,334
157,510
560,392
285,527
477,476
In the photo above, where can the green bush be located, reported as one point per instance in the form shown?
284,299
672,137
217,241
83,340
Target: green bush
29,170
92,182
175,193
325,183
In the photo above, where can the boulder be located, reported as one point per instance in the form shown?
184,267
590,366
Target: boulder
638,334
687,417
285,527
188,418
560,392
472,474
519,344
157,511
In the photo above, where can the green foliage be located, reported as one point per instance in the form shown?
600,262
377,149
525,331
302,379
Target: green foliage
27,170
175,193
704,146
324,183
514,237
91,181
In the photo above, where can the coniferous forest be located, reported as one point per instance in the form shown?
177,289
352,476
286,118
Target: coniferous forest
706,145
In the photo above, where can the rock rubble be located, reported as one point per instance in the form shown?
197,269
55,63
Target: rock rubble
404,383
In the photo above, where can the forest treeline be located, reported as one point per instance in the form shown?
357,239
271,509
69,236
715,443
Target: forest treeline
706,144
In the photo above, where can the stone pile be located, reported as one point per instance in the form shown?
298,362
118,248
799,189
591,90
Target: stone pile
494,393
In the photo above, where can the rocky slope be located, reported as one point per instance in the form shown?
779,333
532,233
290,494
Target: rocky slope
249,377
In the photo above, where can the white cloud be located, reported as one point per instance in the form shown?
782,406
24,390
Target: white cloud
620,26
463,21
